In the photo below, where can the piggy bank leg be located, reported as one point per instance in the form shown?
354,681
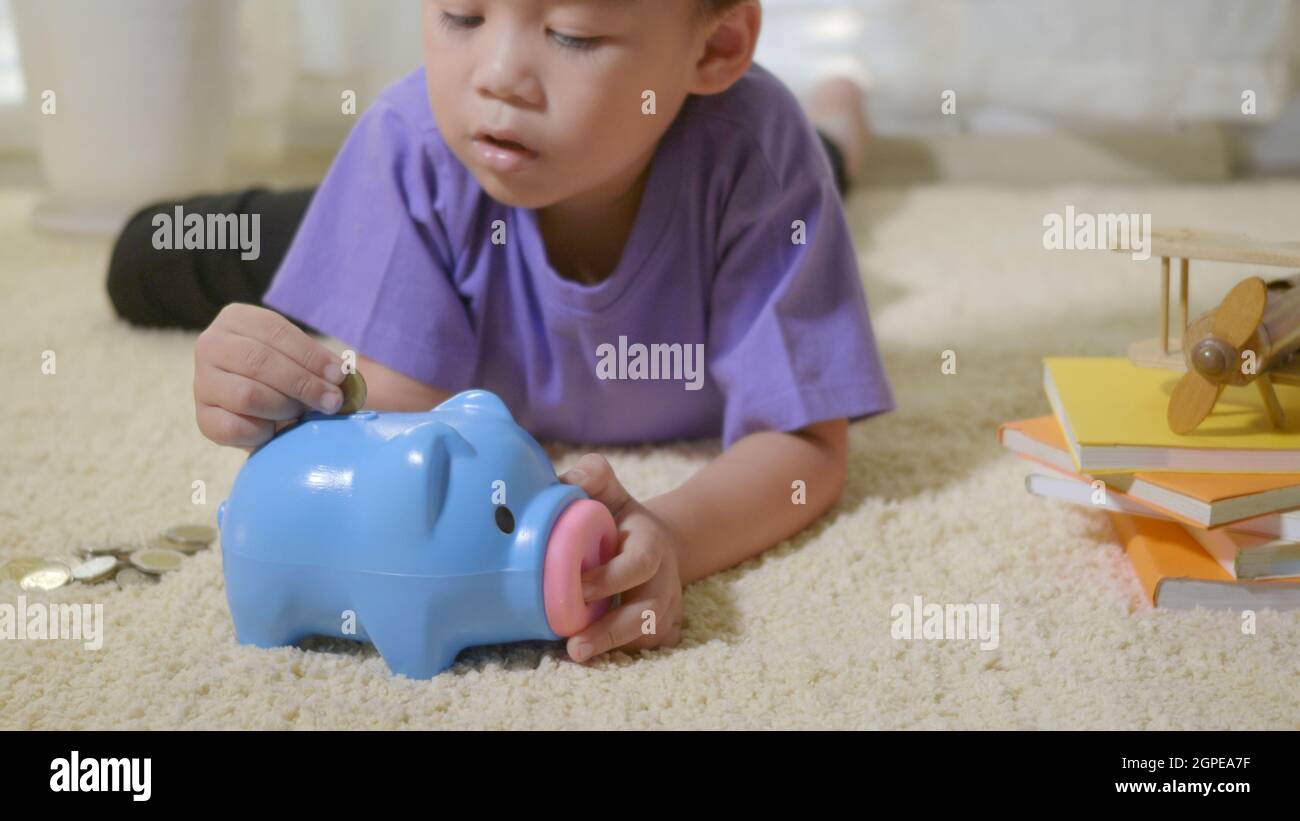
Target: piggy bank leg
406,640
262,606
266,632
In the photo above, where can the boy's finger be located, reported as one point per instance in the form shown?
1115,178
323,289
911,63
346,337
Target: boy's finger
615,629
271,328
667,631
227,428
636,563
594,475
260,362
243,396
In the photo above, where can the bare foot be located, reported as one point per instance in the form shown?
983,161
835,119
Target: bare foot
836,106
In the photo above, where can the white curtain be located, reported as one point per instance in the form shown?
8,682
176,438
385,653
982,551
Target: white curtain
1013,64
297,57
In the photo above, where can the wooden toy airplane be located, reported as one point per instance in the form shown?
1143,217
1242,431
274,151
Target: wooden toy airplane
1253,336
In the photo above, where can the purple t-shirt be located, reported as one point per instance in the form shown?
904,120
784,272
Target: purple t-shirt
736,306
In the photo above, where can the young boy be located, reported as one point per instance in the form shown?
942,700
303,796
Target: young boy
562,181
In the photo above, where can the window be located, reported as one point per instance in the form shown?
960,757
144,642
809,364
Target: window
11,73
15,131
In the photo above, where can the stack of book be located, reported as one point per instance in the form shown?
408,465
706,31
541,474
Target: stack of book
1209,519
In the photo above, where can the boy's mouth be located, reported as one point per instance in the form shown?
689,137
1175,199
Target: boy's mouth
501,151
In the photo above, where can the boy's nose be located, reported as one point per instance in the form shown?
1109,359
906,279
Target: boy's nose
507,76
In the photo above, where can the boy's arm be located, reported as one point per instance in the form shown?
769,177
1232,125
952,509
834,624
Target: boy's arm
745,501
737,506
390,390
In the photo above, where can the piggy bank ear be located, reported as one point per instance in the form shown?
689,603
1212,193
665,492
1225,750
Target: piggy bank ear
475,402
426,450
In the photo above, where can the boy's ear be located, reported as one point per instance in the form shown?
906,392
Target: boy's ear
728,48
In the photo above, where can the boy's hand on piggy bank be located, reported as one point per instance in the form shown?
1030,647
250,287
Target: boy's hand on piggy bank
644,571
252,369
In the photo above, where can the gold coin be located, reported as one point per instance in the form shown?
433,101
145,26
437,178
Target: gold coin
157,559
15,569
47,577
130,577
95,570
199,535
354,393
106,549
188,548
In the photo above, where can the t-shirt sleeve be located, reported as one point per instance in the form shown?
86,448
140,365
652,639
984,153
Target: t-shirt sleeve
790,339
371,263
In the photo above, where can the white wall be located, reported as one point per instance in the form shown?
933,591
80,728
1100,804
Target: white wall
1029,64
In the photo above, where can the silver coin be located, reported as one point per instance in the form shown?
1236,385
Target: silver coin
95,570
66,561
130,577
200,535
157,560
47,577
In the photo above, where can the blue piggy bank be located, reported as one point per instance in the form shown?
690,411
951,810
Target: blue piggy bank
423,533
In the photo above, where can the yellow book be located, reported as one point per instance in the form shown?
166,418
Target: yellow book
1113,415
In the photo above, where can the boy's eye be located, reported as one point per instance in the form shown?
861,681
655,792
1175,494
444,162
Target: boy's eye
460,22
575,43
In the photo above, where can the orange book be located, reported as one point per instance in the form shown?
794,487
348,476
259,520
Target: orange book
1198,499
1177,573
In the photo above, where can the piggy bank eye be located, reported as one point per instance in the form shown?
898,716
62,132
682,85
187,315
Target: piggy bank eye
505,520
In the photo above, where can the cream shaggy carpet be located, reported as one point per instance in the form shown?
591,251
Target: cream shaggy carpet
799,638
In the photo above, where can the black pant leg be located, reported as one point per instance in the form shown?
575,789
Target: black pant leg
834,154
188,288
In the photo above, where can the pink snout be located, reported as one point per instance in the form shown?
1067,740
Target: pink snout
583,537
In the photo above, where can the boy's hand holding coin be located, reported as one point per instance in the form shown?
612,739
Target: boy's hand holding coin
253,369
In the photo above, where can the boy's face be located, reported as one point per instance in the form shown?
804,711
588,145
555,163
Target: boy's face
542,99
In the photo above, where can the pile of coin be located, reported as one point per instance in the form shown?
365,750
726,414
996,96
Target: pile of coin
129,564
